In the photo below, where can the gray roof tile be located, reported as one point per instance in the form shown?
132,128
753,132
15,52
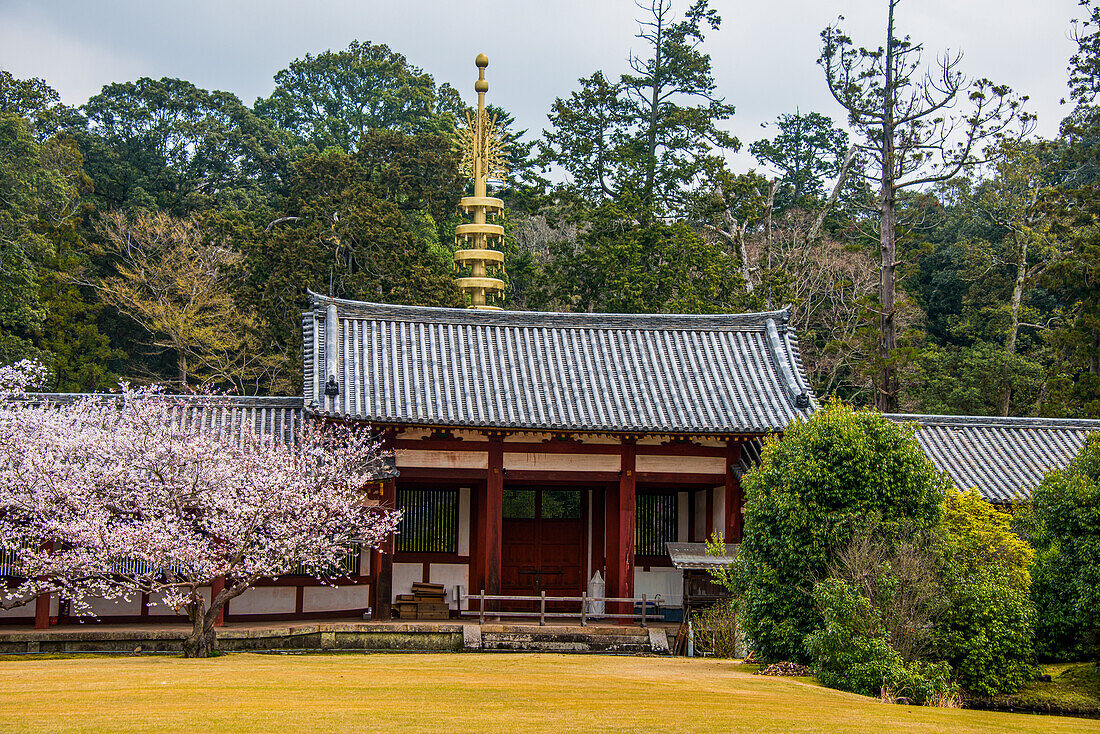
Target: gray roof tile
657,373
1003,458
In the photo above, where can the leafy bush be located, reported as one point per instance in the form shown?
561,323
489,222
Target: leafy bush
1065,515
814,487
901,579
987,634
717,632
852,651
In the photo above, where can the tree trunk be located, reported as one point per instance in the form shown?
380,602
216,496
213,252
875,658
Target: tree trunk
181,366
1014,325
203,640
769,209
735,232
886,399
654,108
815,230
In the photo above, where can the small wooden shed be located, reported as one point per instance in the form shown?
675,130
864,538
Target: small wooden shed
700,589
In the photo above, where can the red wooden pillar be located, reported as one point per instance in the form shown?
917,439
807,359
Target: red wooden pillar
491,522
382,560
216,588
620,531
732,531
42,602
42,612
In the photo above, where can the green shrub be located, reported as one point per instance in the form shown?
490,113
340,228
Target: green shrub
988,632
1065,529
814,487
987,636
852,651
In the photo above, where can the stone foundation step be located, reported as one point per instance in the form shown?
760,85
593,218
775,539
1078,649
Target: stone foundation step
344,636
532,638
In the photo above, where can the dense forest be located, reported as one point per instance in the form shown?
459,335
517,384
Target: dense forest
937,255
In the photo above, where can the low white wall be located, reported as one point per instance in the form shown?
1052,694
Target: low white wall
335,598
265,600
668,582
116,607
27,611
160,610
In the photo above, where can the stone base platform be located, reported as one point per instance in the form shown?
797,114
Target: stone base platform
395,636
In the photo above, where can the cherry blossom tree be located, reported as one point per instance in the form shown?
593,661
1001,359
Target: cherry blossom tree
116,496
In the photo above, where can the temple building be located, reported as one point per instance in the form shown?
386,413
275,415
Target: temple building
535,449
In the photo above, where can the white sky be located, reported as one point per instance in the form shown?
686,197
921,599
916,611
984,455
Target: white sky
763,56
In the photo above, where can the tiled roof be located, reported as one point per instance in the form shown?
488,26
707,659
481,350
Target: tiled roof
222,416
694,374
693,556
1003,458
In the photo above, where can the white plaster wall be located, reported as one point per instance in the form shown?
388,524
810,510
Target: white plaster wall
561,462
464,520
265,600
442,459
116,607
27,611
335,598
23,612
404,576
681,464
450,574
668,582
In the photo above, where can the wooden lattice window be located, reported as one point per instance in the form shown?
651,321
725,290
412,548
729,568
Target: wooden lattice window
656,519
430,521
9,562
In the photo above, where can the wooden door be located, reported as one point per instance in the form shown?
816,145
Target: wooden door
542,543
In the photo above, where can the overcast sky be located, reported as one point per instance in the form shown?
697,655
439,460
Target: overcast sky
764,54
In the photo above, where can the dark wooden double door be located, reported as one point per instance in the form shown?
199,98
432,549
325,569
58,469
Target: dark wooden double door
543,542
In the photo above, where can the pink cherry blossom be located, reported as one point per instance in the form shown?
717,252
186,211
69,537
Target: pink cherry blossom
114,496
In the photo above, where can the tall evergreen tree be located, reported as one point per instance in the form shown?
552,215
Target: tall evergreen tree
643,142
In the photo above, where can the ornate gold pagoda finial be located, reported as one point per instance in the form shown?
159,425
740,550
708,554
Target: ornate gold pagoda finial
482,157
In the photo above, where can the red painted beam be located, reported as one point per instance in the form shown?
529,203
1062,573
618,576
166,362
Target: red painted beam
677,479
554,447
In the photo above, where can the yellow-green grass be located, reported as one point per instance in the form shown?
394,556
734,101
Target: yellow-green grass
519,694
1074,689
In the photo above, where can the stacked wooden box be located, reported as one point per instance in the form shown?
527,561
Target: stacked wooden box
427,601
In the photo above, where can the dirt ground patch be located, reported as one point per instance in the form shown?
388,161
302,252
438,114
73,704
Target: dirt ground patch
519,694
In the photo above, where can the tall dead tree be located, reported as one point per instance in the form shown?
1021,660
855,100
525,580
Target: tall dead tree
919,126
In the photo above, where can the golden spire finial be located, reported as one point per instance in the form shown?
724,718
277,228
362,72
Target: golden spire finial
482,157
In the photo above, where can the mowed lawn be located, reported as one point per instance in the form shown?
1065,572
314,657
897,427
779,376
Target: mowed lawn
519,694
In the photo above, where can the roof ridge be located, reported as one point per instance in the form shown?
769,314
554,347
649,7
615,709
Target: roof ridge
554,319
996,421
238,400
